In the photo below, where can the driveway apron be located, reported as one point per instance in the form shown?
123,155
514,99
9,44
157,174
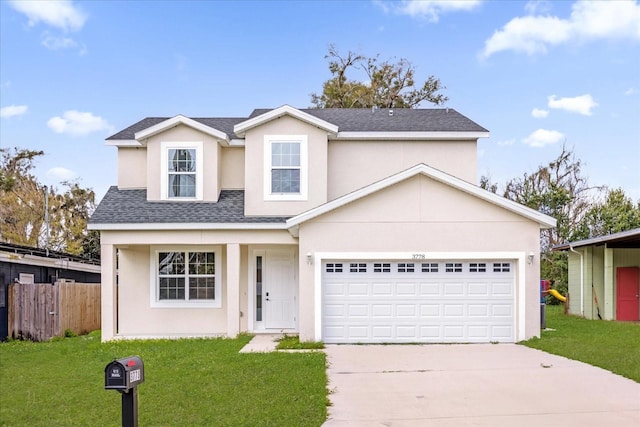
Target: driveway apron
473,384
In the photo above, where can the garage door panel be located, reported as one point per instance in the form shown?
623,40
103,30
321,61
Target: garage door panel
453,310
429,310
406,289
407,332
382,310
335,289
454,289
430,289
382,289
454,332
358,289
502,310
501,332
478,310
335,310
502,289
358,310
478,289
406,310
478,332
431,301
430,333
382,332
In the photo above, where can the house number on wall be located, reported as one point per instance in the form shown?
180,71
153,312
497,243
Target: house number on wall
418,256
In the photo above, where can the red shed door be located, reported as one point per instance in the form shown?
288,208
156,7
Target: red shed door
628,291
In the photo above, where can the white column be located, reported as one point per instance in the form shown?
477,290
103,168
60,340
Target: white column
108,291
609,280
233,289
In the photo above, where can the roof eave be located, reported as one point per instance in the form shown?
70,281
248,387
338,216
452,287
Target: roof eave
186,226
286,110
181,120
406,135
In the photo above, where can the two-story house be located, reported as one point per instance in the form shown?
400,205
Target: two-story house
342,225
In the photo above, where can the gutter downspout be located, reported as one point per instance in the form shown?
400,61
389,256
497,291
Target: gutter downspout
581,279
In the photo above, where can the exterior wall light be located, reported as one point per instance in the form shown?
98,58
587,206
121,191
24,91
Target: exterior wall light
309,258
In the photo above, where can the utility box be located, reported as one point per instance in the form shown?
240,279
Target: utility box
124,374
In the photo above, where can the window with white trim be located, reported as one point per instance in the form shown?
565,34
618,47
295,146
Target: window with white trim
181,171
285,167
186,278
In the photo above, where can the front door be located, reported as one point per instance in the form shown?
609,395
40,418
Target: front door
628,292
279,289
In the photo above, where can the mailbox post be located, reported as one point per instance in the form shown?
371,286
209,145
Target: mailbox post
124,375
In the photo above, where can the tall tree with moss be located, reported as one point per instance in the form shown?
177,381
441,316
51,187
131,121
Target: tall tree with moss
23,208
385,84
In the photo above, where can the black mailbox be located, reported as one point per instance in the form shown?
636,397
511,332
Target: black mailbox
124,374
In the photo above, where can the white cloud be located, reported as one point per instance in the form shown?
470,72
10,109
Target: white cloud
56,43
542,137
537,6
580,104
506,142
61,174
539,113
429,9
61,14
77,123
12,111
589,20
631,91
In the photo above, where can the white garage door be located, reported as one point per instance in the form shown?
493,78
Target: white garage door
424,301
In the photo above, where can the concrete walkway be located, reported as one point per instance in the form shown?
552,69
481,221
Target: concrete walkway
476,384
262,343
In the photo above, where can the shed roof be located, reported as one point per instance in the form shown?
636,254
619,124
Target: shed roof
623,239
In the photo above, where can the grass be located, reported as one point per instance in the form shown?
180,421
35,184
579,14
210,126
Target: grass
614,346
292,342
194,382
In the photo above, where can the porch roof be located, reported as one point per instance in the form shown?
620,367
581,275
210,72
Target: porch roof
623,239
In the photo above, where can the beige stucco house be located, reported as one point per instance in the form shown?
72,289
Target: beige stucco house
604,276
342,225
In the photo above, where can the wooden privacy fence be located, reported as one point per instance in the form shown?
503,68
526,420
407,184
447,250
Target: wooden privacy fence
40,311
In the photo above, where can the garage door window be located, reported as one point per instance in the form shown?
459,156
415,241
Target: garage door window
407,267
382,267
477,267
334,267
453,267
501,267
429,267
358,267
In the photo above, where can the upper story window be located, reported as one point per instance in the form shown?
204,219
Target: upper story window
181,170
285,167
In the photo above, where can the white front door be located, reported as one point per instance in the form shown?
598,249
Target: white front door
279,289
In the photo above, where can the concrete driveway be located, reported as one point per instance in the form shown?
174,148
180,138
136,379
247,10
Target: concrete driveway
475,384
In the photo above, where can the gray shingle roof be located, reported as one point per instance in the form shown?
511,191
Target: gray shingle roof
132,207
347,120
223,124
402,120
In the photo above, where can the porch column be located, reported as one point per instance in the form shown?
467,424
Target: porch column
108,291
233,289
609,283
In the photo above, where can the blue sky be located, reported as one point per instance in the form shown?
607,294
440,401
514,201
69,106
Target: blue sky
537,74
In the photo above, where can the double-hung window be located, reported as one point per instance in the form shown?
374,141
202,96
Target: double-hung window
285,166
182,170
186,277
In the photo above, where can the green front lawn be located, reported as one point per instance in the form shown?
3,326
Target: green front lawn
614,346
194,382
